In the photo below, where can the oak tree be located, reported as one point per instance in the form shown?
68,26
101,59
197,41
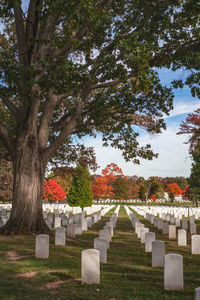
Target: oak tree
75,68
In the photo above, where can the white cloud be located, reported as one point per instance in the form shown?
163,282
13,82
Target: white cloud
183,108
173,157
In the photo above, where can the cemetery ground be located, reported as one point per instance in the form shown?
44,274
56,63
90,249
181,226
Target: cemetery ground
127,274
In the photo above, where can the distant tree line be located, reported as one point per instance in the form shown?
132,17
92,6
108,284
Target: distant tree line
78,187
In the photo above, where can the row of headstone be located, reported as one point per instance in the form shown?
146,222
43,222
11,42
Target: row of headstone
164,225
64,219
63,208
102,243
182,233
172,263
162,211
91,258
42,240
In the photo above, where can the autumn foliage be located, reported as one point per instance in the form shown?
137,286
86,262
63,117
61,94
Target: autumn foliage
153,197
111,172
102,187
52,191
185,192
191,126
174,189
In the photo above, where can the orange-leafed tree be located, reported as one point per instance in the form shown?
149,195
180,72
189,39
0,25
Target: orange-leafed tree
111,172
103,185
100,188
133,188
174,189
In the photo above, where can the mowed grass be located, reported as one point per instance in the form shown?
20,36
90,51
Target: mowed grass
127,275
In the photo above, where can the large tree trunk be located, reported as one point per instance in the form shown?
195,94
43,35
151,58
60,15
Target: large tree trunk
26,216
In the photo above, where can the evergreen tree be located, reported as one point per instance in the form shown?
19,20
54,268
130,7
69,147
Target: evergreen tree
81,192
194,180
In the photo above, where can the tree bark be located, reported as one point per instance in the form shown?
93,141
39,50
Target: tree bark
26,216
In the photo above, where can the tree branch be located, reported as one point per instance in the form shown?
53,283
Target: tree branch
19,23
46,35
6,139
12,108
79,35
46,119
105,84
59,124
32,26
69,125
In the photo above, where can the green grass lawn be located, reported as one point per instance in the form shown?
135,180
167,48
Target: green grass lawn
127,275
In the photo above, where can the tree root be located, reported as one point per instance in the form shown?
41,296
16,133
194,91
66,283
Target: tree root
18,228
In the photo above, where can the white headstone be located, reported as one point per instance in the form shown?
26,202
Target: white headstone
172,232
149,238
160,224
42,246
84,224
101,245
182,237
193,228
158,252
71,230
173,272
197,294
192,219
57,222
64,221
105,234
60,236
78,228
143,232
90,266
195,244
165,229
184,224
177,222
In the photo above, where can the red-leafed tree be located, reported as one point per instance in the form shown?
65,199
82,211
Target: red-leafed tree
185,192
153,197
52,191
191,126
